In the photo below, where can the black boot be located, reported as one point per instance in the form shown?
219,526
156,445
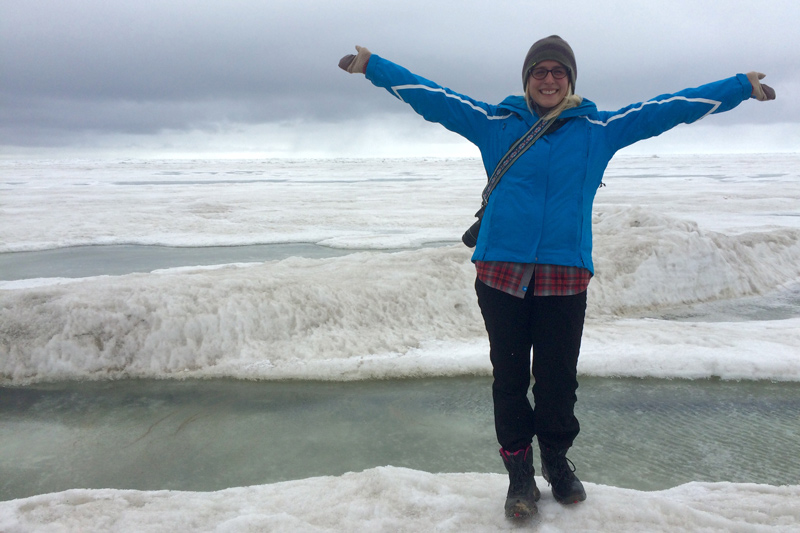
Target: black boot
522,491
560,475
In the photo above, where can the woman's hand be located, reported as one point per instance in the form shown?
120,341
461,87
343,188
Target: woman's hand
356,63
760,92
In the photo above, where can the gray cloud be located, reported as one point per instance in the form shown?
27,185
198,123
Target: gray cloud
87,69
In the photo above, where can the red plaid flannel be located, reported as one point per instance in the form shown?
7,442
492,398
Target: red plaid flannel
548,280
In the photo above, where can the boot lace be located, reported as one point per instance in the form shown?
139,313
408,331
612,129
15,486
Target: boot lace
564,468
560,467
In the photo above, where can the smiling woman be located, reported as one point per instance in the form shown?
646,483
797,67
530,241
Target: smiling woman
549,74
533,248
548,84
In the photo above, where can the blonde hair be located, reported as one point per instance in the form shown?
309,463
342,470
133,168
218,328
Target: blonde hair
570,100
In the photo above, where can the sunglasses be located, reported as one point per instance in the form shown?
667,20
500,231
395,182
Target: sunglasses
540,73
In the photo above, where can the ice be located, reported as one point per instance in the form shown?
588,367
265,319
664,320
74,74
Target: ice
398,499
669,231
368,315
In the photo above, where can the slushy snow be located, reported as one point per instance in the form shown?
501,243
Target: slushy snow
400,500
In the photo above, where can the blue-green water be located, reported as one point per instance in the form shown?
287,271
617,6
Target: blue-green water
208,435
116,260
120,259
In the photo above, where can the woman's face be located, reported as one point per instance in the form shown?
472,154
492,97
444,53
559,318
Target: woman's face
548,92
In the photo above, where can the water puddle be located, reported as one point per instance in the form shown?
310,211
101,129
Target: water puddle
778,305
212,434
117,260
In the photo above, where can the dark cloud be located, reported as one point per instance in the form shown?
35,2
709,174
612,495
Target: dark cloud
88,67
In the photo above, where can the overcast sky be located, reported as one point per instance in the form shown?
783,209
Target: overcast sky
169,78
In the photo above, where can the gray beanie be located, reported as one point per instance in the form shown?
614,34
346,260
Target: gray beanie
554,48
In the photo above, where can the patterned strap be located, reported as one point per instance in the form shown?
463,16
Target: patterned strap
516,150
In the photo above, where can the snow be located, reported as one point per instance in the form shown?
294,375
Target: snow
397,500
669,232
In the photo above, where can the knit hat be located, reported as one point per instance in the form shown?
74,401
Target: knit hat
554,48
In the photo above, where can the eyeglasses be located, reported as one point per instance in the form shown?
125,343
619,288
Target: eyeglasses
541,73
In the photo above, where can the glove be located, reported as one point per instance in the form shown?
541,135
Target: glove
356,63
761,92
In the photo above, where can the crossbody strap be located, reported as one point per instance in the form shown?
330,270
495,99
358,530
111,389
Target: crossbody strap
516,150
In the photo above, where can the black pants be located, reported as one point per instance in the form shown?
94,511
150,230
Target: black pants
552,326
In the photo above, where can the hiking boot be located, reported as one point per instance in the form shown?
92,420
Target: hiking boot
559,472
522,491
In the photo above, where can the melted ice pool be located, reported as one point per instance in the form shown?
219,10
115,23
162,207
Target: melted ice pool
211,434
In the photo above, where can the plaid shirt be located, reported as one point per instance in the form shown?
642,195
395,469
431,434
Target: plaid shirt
548,280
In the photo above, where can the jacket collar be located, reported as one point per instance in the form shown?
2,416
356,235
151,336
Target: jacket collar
517,105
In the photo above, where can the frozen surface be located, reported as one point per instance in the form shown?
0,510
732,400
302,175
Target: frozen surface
377,315
670,233
354,203
398,499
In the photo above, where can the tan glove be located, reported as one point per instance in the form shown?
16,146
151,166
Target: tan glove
356,63
760,92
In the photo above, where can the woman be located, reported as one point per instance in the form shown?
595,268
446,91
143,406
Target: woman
533,252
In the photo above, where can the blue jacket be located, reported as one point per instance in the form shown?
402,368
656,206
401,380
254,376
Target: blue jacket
541,211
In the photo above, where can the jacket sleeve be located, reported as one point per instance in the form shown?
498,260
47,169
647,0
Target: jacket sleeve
653,117
456,112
